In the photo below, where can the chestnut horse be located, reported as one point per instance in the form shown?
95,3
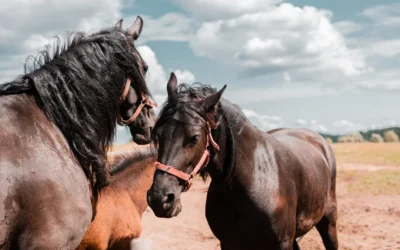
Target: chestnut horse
57,122
267,189
122,203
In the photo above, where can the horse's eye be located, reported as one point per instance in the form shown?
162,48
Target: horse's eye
145,68
194,140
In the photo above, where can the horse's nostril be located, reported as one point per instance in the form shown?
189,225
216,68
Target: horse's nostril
169,198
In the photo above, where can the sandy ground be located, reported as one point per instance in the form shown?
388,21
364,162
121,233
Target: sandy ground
365,221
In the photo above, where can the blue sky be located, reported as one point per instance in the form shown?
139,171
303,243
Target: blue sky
331,66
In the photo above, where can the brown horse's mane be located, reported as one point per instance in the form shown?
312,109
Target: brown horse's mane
77,84
119,161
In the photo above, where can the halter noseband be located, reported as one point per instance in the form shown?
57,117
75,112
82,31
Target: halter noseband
144,102
188,178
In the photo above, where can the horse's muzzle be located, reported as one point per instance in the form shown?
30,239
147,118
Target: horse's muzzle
164,205
141,136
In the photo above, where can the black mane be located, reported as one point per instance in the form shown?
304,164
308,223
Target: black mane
186,99
77,84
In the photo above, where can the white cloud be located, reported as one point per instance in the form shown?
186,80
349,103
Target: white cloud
313,125
388,15
266,122
281,38
316,126
184,76
287,77
347,126
384,79
25,30
384,48
301,122
48,18
157,77
223,9
259,94
169,27
348,27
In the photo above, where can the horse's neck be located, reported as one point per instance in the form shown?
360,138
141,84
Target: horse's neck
234,132
135,179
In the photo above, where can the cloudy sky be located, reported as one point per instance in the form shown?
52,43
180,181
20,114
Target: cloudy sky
332,66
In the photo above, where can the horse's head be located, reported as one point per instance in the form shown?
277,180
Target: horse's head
183,135
136,109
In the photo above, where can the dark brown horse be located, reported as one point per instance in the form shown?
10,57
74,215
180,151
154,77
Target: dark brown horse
122,203
267,189
57,122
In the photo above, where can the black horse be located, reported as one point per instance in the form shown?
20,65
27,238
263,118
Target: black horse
57,122
267,189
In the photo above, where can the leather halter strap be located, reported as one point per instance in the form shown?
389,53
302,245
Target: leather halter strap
188,178
144,102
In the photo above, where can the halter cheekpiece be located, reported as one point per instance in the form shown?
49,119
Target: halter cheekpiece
188,178
144,102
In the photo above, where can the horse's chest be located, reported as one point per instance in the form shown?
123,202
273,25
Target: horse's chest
235,221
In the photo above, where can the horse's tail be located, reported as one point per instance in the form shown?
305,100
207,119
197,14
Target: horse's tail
19,86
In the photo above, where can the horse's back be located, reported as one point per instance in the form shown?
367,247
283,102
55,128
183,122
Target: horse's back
310,152
312,138
44,192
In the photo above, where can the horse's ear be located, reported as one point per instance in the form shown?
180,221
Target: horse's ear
172,85
118,25
136,28
211,102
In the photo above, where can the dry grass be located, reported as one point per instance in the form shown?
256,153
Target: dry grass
374,182
368,153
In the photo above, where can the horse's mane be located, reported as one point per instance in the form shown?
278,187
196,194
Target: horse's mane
123,159
77,84
187,100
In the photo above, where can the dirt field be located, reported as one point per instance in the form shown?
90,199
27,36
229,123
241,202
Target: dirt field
368,201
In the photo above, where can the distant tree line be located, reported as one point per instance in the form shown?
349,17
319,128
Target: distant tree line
377,136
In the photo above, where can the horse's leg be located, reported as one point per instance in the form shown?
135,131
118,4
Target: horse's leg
327,227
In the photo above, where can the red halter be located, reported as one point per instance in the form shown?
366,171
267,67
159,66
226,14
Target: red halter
145,101
188,178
